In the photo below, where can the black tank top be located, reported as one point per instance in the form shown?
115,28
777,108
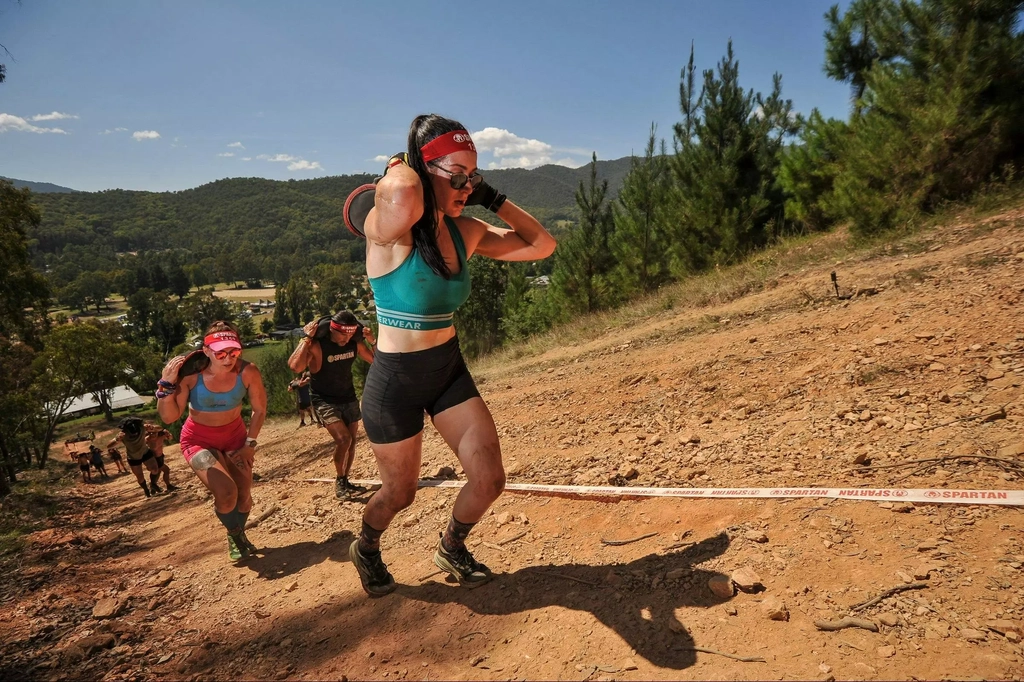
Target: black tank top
333,383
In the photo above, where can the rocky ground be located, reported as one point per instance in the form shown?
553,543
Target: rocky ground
913,381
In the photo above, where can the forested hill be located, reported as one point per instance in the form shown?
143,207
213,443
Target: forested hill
39,187
272,227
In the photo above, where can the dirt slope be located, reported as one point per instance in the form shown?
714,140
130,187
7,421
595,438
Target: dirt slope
785,387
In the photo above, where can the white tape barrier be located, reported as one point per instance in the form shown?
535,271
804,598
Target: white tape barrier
935,495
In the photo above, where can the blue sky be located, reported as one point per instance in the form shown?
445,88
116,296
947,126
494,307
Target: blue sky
160,96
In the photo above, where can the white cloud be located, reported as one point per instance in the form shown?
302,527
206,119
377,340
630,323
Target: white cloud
294,162
237,145
278,158
53,116
10,122
226,154
108,131
512,151
246,158
381,158
141,135
302,164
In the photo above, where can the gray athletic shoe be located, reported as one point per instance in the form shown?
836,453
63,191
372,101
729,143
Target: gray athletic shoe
461,564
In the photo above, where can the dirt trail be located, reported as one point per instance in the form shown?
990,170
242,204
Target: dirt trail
785,387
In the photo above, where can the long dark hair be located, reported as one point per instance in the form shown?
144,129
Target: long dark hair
425,128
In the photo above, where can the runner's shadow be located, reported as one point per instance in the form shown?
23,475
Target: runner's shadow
621,596
274,563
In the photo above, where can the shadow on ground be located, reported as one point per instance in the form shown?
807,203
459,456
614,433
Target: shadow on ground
637,613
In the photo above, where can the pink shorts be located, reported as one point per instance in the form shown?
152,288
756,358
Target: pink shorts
195,437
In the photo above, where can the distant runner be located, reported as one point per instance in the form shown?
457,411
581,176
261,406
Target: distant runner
333,395
300,386
133,437
115,457
96,459
83,466
156,438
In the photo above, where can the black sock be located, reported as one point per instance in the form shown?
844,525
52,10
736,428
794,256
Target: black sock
153,480
143,485
455,535
369,540
230,521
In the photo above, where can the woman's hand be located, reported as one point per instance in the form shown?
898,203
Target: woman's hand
368,335
242,458
172,368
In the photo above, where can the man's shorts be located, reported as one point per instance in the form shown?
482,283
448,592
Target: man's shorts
148,454
304,406
330,413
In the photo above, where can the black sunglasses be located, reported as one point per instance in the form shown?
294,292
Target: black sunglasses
459,180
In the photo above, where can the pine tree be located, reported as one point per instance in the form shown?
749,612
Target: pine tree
809,169
726,201
641,262
583,261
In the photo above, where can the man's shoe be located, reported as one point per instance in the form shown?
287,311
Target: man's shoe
171,488
236,548
373,573
156,489
146,490
461,564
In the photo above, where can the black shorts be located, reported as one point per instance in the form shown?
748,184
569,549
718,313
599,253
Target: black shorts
400,387
330,413
305,406
84,468
148,454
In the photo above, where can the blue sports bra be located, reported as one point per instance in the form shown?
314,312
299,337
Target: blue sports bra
203,399
412,296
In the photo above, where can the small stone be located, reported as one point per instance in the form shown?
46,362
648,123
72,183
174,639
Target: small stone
523,519
746,579
993,374
1012,637
756,536
937,367
905,577
162,579
163,659
1003,626
1011,450
410,521
656,440
477,660
628,472
731,610
503,518
889,619
292,586
923,572
972,635
924,336
675,626
880,341
106,608
861,458
886,651
775,609
687,437
721,586
865,416
825,668
676,574
928,546
445,472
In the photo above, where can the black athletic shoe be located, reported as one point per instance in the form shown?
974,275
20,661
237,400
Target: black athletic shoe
373,572
346,490
461,564
156,489
146,490
242,539
171,488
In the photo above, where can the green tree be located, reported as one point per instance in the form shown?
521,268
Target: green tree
524,309
24,296
202,309
179,283
640,239
94,288
583,260
479,318
728,145
809,169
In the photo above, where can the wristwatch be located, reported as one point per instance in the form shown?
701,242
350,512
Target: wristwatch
251,442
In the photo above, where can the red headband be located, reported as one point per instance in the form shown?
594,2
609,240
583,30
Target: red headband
342,327
220,336
449,143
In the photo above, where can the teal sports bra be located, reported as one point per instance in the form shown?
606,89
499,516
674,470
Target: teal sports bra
203,399
413,297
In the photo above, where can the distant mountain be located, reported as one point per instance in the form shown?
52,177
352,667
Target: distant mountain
263,228
40,187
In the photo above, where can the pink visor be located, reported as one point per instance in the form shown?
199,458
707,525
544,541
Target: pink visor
222,341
